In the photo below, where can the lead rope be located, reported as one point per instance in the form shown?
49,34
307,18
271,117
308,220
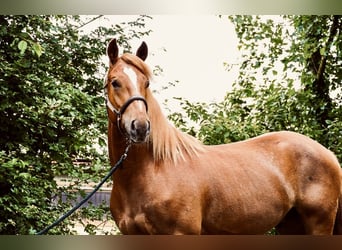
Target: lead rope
110,173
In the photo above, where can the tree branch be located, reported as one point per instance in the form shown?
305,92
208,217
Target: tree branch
92,20
332,34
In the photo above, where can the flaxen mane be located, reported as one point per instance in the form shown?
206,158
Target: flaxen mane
169,144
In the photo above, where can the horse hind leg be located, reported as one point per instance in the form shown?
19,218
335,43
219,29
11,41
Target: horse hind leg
318,223
312,219
318,218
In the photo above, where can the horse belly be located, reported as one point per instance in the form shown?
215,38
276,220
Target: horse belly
243,217
246,206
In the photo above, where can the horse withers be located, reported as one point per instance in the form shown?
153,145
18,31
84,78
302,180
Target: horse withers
171,183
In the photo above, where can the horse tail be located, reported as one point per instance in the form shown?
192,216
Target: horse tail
338,219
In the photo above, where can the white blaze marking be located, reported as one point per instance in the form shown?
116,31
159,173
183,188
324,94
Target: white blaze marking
132,76
134,80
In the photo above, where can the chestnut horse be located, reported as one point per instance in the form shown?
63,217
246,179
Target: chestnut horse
171,183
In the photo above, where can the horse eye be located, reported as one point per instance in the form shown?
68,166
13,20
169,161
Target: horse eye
116,84
147,84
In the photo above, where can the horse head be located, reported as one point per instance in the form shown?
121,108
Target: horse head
127,88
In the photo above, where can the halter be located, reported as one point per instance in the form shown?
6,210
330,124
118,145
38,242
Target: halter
122,110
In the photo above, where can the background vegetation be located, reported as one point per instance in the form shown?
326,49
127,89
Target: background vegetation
52,109
290,78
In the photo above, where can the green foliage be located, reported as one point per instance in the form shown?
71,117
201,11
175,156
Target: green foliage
52,114
289,79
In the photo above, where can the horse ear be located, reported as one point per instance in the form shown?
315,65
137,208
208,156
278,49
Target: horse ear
112,51
142,51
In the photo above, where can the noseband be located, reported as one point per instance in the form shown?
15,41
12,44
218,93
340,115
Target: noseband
122,110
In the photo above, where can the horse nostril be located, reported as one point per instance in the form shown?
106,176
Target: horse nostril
133,125
148,126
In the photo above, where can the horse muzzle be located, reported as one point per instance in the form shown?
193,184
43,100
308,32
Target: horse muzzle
139,131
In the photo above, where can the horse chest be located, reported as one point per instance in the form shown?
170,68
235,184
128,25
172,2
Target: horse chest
128,208
150,213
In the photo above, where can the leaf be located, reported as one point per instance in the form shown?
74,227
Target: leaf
37,49
22,46
23,62
24,175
